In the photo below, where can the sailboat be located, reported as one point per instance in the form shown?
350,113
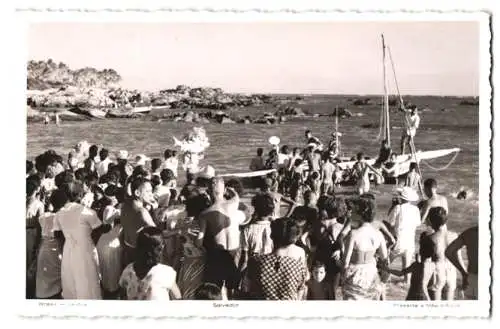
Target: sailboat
402,162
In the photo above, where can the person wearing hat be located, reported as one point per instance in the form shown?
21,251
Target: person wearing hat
404,217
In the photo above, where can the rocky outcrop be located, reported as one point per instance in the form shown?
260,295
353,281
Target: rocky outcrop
48,74
184,97
340,112
362,101
290,111
469,102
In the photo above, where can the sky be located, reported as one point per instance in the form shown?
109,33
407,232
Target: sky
430,58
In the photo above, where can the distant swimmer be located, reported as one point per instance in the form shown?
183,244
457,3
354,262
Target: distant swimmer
47,119
413,123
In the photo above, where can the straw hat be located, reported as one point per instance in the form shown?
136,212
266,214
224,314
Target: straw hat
122,155
406,193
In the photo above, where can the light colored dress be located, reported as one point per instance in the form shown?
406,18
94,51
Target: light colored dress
154,286
80,265
110,258
48,273
405,219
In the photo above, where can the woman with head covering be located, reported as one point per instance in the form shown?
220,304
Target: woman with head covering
146,278
364,243
404,218
282,274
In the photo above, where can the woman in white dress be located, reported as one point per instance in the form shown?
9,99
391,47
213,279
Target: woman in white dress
79,228
146,278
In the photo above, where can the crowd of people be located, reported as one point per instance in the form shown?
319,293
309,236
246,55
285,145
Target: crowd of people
99,228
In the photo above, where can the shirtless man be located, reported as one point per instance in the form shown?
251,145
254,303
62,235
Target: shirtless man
270,188
433,199
361,172
220,236
468,239
438,238
313,159
327,172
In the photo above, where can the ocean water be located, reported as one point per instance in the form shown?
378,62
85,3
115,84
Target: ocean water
444,125
233,145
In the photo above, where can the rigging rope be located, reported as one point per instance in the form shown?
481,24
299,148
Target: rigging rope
381,127
407,123
441,168
412,143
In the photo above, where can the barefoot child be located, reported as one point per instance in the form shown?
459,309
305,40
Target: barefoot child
317,287
421,271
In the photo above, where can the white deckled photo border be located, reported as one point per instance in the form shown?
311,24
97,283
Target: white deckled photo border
261,309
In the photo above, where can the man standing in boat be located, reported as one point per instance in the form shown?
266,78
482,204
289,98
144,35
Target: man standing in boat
411,126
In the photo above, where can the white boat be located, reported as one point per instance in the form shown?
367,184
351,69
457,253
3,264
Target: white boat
141,109
249,173
402,162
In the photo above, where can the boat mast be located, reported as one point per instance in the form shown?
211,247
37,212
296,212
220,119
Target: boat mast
337,131
386,119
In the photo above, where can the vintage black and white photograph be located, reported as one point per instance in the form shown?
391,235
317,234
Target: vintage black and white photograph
331,160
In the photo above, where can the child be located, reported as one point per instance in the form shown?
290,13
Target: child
162,192
422,270
111,212
208,291
313,183
317,287
171,162
103,166
296,180
413,178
